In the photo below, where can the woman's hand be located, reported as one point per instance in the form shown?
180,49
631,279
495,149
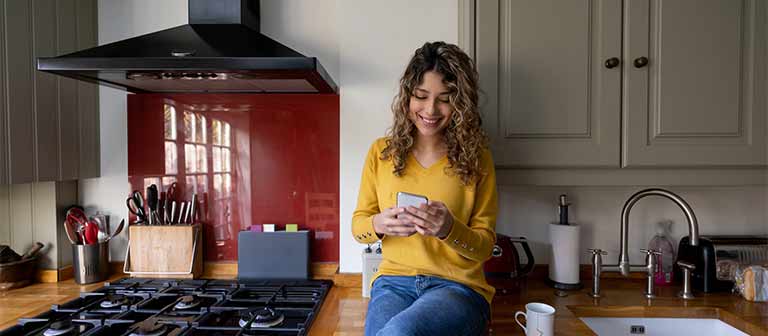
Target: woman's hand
433,219
387,223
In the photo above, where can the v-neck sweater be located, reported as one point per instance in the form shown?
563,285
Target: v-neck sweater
474,207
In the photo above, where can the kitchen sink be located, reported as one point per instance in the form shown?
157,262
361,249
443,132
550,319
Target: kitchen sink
660,326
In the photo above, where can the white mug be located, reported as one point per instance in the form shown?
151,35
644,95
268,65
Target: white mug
539,319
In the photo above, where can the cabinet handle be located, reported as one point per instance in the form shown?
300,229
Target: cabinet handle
612,62
641,62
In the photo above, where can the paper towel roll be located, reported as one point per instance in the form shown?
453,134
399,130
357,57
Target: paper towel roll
565,252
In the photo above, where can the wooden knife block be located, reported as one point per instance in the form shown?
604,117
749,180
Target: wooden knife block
165,251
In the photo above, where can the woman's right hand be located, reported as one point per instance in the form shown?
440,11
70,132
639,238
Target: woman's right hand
387,223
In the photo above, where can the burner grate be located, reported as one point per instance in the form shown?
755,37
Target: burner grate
184,308
126,329
175,304
293,321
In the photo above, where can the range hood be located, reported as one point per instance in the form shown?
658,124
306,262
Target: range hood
220,51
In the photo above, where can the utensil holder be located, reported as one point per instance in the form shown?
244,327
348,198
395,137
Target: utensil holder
164,251
91,263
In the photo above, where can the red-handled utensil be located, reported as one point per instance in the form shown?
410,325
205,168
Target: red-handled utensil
71,232
77,221
91,233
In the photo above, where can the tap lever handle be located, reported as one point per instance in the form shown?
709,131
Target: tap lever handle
687,265
597,251
649,251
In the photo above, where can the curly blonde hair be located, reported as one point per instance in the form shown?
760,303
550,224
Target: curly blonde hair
464,136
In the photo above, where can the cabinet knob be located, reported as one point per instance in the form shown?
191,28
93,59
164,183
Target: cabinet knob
641,62
612,62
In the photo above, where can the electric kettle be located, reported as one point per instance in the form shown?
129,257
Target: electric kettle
505,259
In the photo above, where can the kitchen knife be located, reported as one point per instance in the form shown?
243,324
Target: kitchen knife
192,207
152,196
173,213
182,212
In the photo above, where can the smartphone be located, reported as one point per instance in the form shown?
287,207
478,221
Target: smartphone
405,199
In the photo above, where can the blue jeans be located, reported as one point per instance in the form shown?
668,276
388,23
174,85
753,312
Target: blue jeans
424,305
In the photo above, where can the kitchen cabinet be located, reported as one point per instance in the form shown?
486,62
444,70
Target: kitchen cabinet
700,100
50,125
612,84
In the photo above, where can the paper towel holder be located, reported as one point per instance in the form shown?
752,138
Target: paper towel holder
564,267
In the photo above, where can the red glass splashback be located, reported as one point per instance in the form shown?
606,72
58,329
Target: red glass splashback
251,159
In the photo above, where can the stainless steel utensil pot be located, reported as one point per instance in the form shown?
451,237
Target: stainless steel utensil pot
91,262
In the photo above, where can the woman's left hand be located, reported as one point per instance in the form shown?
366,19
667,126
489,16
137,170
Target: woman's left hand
433,219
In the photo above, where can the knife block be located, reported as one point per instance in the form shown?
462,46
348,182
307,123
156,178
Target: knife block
164,251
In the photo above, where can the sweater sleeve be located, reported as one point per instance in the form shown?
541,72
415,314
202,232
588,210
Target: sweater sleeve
367,201
474,240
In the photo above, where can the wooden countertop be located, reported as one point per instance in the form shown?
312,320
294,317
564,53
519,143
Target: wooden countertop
343,313
624,298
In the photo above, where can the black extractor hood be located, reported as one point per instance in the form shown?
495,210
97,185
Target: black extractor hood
220,51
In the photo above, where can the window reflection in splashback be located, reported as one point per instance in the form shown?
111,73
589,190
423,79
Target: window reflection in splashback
251,159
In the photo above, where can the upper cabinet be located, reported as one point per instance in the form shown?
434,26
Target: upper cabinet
639,83
49,125
549,99
694,83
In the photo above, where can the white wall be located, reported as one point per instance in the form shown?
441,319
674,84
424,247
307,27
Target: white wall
309,27
364,45
120,19
526,211
377,40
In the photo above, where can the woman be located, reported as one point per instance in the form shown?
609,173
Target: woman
431,279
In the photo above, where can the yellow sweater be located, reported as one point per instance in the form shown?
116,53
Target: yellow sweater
460,256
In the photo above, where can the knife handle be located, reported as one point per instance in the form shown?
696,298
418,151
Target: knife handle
173,212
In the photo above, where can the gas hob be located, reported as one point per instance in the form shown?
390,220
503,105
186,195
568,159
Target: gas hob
165,307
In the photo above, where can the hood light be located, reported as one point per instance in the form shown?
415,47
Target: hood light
176,75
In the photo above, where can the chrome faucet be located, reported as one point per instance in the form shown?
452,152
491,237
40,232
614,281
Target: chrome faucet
597,268
650,268
693,226
687,268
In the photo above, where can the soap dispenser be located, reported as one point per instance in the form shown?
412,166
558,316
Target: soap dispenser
664,262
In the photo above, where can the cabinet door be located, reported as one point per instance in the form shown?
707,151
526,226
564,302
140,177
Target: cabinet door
69,118
550,100
700,100
49,125
20,86
4,161
88,94
46,103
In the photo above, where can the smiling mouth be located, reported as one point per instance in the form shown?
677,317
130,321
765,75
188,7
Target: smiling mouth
429,121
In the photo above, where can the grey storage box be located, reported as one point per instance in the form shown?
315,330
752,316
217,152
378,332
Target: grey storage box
272,255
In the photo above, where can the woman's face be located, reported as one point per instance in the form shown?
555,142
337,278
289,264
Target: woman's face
429,108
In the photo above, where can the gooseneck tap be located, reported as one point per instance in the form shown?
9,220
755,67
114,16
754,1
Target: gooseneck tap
693,225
